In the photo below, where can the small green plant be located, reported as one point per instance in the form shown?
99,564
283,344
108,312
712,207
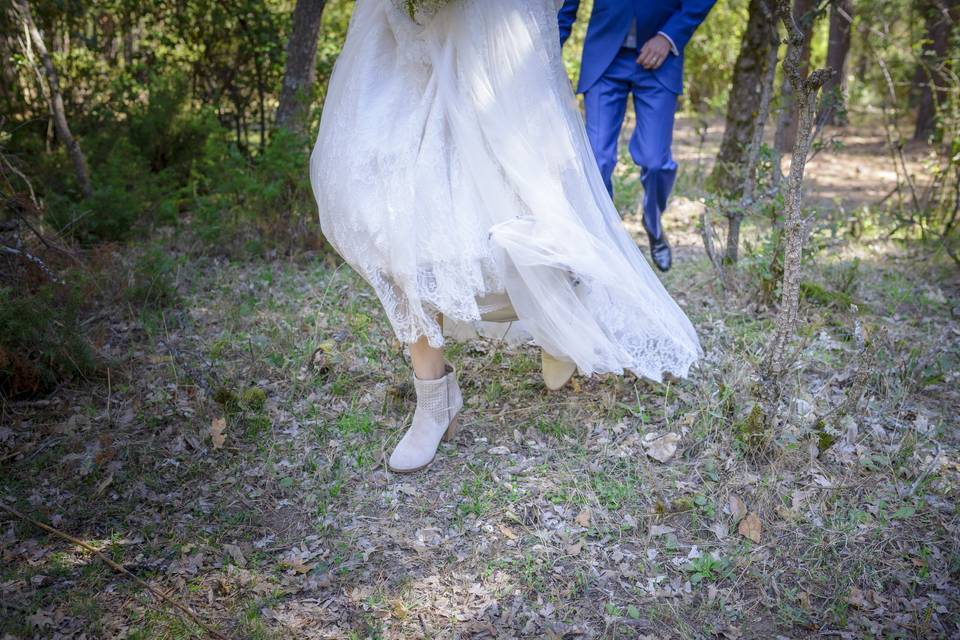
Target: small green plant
253,399
707,568
152,280
477,495
226,398
750,431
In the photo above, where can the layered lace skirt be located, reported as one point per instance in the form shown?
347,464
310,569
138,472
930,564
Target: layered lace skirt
452,170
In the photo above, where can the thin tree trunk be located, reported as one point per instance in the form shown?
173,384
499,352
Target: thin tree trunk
804,14
261,106
805,97
56,100
753,155
300,72
838,48
14,102
928,76
745,93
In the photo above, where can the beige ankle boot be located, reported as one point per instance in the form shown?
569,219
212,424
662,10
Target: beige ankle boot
556,372
438,403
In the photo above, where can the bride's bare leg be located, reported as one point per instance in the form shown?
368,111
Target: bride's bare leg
427,362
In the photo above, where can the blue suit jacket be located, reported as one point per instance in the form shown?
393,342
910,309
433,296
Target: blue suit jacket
610,22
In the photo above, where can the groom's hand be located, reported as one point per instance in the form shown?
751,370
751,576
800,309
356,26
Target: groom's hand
654,52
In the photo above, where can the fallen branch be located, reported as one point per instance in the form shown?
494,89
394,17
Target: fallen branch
116,567
706,232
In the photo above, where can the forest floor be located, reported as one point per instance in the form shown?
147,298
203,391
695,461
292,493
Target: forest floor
232,458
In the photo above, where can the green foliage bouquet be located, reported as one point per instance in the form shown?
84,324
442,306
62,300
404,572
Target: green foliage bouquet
422,10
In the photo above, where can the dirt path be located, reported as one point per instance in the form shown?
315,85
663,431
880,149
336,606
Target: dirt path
858,172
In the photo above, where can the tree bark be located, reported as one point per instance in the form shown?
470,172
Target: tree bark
753,155
804,13
56,100
938,19
838,48
745,93
805,97
300,72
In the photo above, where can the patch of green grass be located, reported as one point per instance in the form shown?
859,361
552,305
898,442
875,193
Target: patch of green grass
256,427
556,427
220,346
614,493
252,624
340,385
478,492
160,624
522,364
493,392
355,422
531,572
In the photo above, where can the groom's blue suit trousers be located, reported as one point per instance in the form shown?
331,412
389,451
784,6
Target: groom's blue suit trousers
605,104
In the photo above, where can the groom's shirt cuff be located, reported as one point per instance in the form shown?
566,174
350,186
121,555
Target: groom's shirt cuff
673,47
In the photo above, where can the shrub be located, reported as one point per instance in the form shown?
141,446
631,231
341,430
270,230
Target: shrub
124,192
41,342
138,168
242,204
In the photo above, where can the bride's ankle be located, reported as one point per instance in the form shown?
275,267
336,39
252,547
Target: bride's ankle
431,372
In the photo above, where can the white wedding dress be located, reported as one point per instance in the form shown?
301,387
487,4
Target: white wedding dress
452,167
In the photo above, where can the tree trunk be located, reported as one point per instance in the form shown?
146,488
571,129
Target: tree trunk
928,75
13,98
735,216
806,89
838,47
300,72
56,100
804,12
745,94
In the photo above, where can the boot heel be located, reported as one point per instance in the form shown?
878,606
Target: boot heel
452,428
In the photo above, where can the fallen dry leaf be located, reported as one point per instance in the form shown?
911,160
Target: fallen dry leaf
507,531
583,518
719,529
857,599
399,610
663,448
750,527
217,432
737,508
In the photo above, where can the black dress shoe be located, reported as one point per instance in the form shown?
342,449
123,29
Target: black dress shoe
660,252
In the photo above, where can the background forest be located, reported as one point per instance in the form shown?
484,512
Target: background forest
196,396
